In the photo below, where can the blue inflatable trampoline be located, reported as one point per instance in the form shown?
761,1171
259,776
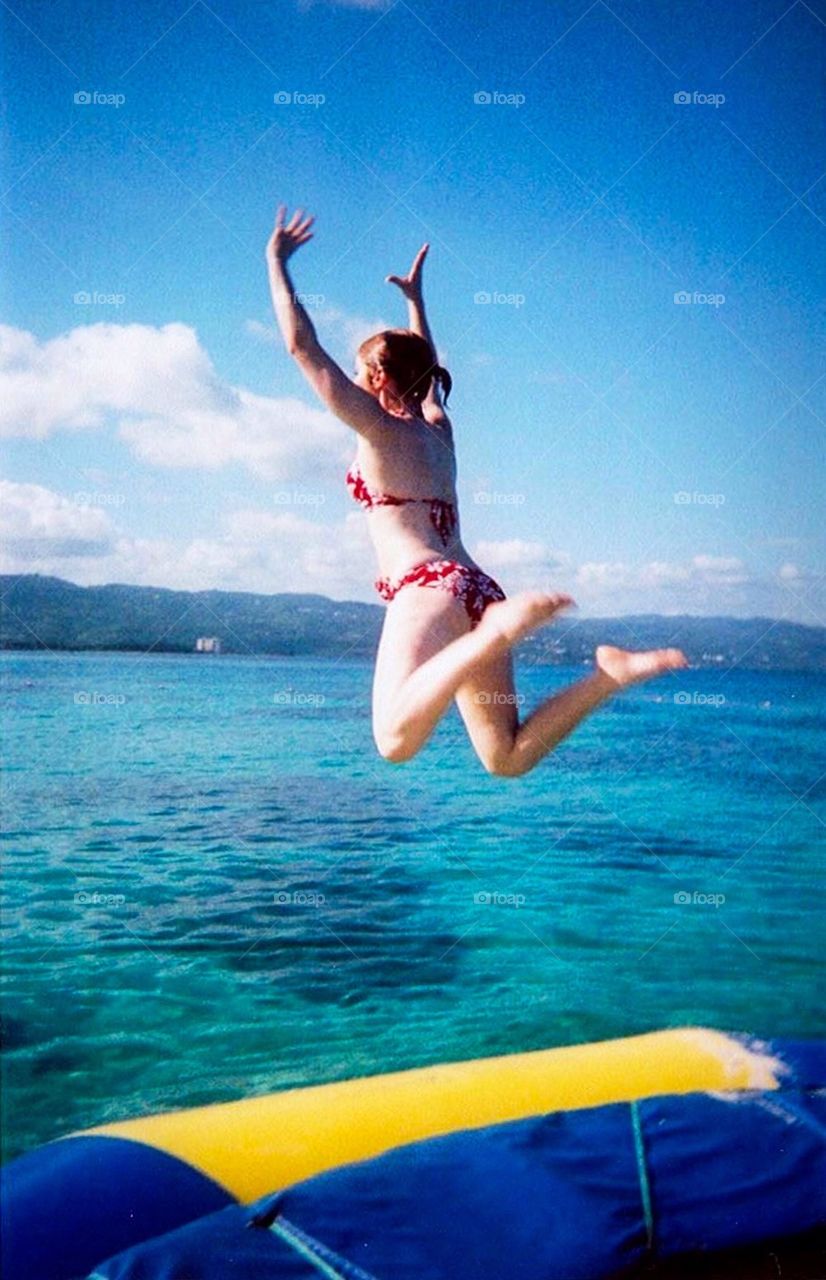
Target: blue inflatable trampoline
575,1194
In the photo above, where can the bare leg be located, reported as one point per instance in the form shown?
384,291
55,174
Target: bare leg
405,716
487,704
555,718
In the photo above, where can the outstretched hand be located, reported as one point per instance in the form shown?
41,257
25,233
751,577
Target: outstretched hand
411,284
284,240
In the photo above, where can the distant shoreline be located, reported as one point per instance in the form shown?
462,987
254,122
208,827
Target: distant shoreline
40,614
56,650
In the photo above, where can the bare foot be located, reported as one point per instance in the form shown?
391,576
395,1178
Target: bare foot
513,618
625,667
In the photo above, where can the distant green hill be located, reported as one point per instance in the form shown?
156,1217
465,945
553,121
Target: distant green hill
40,612
49,613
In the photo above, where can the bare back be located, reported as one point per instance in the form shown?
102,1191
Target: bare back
410,458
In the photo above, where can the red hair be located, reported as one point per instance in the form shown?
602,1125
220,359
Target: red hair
408,360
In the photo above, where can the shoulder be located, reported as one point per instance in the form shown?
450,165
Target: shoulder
342,396
435,415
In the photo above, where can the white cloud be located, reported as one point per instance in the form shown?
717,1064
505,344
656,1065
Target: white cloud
728,570
661,573
700,584
700,571
290,547
347,332
170,405
36,522
276,439
302,554
77,379
603,576
252,550
516,553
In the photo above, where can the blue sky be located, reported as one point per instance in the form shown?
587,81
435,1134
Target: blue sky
645,453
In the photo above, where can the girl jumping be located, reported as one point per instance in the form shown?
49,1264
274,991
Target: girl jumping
449,630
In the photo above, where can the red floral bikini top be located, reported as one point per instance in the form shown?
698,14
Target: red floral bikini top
442,514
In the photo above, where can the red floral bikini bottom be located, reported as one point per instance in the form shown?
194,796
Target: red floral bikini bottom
475,589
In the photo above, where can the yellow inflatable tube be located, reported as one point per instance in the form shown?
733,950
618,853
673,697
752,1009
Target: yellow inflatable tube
257,1145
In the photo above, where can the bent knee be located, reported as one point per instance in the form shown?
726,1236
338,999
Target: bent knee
394,747
505,764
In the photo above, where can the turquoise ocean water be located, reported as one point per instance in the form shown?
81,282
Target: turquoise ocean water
214,886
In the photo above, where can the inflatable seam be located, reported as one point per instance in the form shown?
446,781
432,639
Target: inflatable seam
642,1173
322,1258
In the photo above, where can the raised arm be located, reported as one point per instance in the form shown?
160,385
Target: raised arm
412,287
347,401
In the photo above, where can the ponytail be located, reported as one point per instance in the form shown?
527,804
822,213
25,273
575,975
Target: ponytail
441,375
